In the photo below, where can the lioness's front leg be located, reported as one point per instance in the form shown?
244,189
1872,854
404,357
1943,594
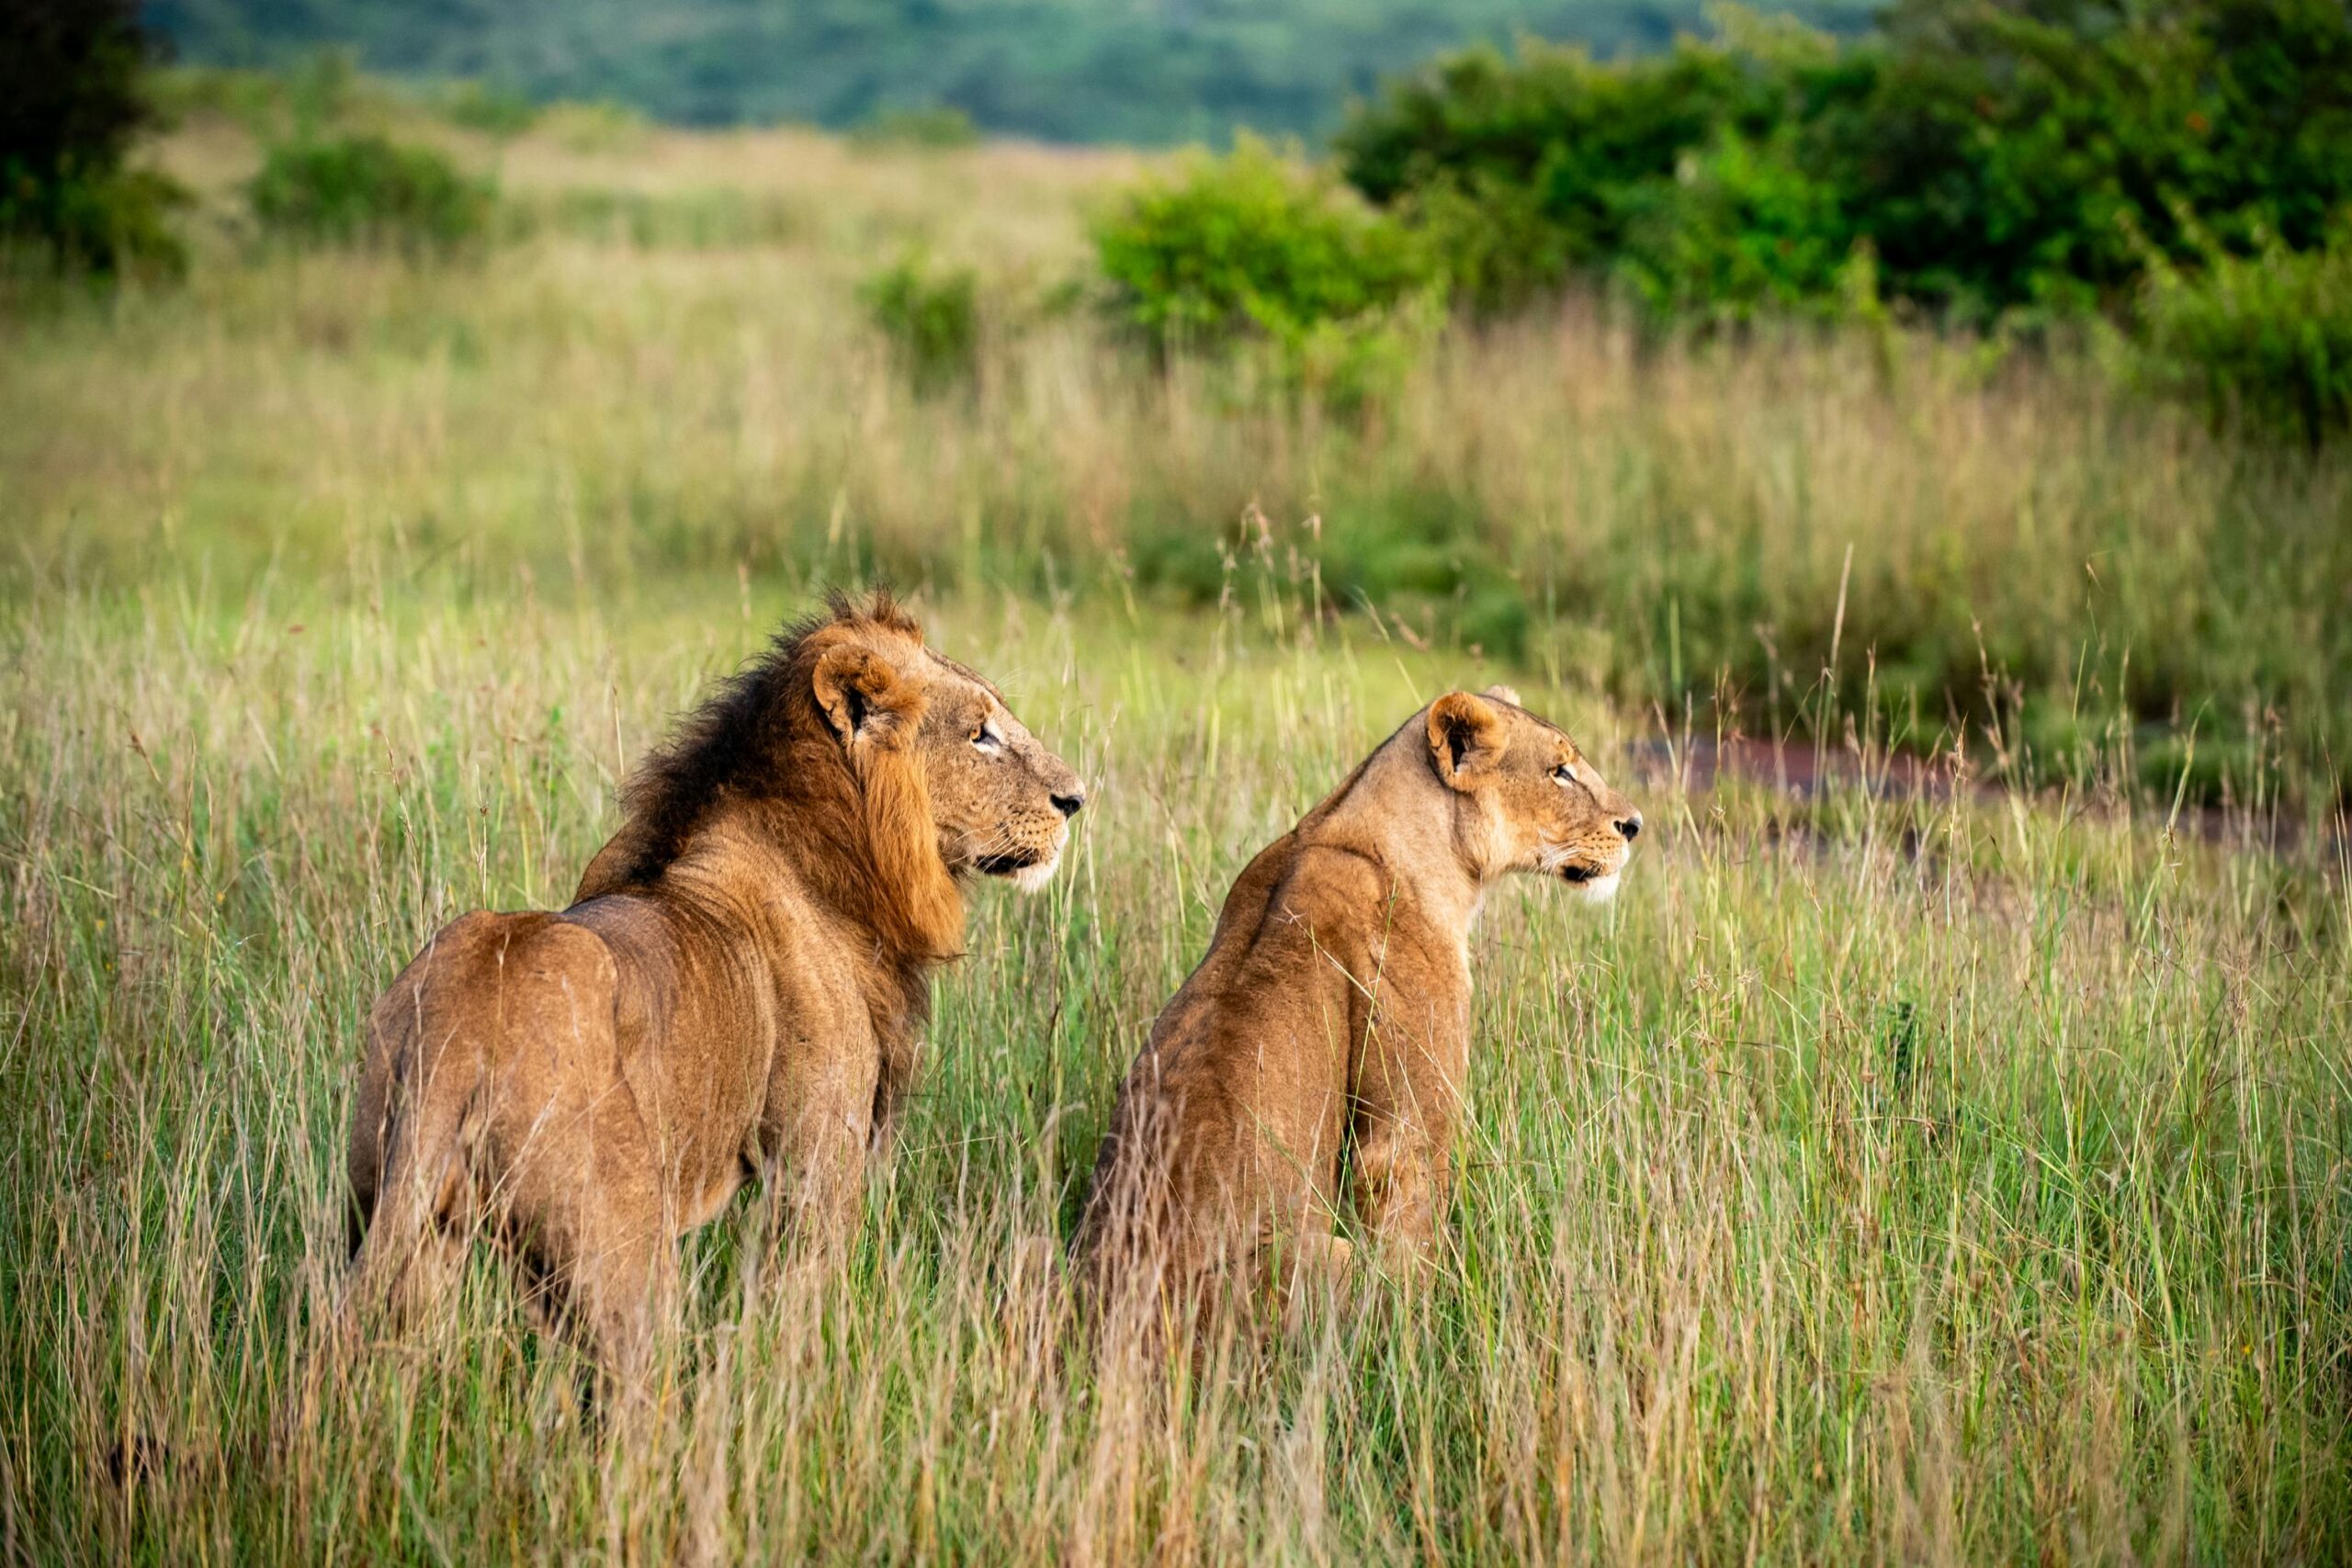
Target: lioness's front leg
1406,1098
1301,1268
1397,1181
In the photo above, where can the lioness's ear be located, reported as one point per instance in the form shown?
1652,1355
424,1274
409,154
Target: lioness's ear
1465,737
863,696
1506,693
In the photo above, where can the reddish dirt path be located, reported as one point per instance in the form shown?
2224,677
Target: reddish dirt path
1804,771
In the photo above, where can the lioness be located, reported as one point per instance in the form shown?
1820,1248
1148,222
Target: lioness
1333,1007
736,992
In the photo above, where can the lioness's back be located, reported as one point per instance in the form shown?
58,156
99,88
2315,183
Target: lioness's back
1239,1099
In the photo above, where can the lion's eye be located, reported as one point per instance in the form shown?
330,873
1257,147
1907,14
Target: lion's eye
988,739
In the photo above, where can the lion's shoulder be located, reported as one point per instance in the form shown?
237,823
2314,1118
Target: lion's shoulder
487,951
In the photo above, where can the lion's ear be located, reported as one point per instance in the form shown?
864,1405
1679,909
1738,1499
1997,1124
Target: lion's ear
875,708
1506,693
1465,737
865,696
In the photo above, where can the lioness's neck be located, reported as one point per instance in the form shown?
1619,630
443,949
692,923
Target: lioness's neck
1395,810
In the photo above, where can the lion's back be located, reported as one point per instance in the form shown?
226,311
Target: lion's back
519,1001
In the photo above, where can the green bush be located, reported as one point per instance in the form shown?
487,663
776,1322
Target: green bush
1491,240
71,103
1248,248
931,316
1529,168
364,191
2261,342
1996,156
1743,229
105,222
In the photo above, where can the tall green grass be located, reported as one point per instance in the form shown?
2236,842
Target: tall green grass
2006,543
1957,1175
1873,1178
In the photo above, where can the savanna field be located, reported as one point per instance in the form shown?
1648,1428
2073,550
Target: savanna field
1941,1150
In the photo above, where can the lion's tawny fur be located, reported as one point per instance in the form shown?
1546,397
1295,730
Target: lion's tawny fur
1331,1012
736,993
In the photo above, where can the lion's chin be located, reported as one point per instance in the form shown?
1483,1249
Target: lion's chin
1027,874
1030,878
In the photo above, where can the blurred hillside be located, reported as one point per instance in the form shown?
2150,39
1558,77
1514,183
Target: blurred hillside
1143,71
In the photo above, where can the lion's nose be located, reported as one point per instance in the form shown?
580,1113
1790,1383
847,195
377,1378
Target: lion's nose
1068,805
1630,826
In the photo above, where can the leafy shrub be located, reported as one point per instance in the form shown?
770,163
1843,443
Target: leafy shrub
364,191
1248,243
1995,156
931,318
1491,240
104,224
1743,228
939,127
1555,147
1249,248
70,105
2263,342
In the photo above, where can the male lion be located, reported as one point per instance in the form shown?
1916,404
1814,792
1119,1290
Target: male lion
736,992
1334,1008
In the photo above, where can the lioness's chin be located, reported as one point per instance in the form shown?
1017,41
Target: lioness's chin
1590,882
1598,889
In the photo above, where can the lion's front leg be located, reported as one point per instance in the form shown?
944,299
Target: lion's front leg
899,1063
818,1168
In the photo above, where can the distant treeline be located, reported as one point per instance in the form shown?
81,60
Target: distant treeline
1149,71
1972,156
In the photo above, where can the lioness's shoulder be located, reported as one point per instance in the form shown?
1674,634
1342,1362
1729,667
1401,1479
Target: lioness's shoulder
1331,897
1349,879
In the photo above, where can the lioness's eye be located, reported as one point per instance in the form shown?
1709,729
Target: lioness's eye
1564,774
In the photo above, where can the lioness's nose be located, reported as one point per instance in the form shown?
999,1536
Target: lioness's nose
1630,826
1068,805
